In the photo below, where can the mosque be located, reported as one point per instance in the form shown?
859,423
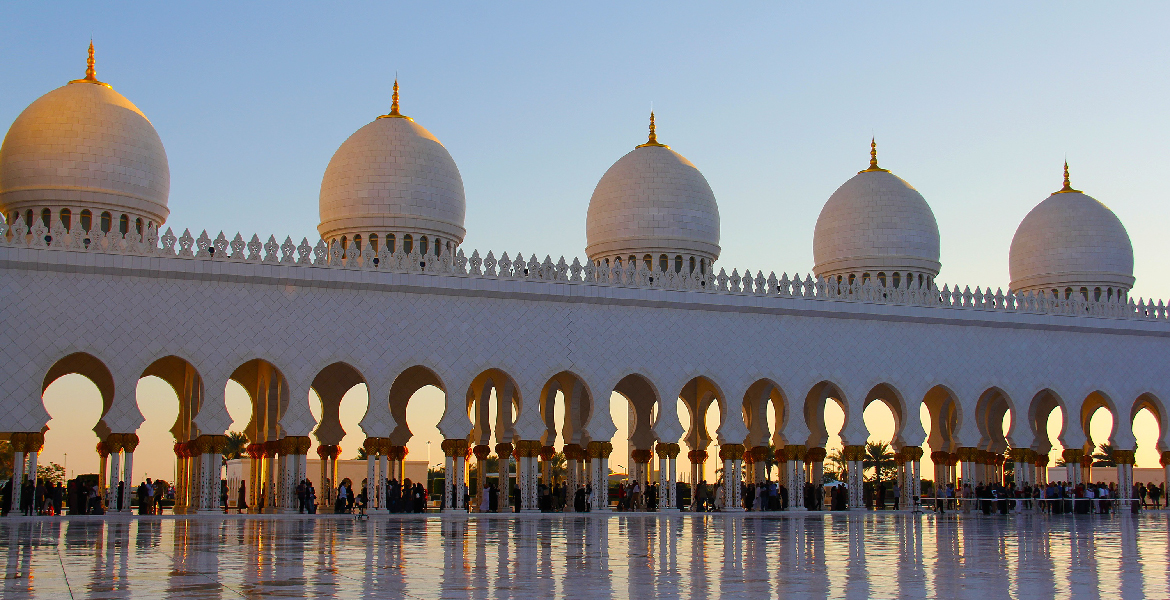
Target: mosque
97,283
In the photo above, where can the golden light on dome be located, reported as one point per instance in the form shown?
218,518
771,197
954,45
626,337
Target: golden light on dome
1067,189
873,165
394,114
90,74
653,140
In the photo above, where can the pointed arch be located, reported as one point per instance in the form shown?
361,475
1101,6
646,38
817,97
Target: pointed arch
331,384
760,395
93,369
405,386
814,412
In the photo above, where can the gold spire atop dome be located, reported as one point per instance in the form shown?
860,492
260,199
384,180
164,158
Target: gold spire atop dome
90,74
1067,189
653,140
394,114
873,166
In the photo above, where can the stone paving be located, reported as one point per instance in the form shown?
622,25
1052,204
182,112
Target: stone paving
894,555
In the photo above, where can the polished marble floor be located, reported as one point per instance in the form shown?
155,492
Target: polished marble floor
640,556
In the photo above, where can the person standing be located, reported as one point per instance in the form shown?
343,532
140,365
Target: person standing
242,497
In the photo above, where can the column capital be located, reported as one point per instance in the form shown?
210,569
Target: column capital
795,452
481,451
697,456
102,449
853,453
911,453
1072,455
1165,460
34,441
547,453
731,452
574,452
504,450
1123,457
599,449
667,450
454,447
129,441
529,448
815,454
641,455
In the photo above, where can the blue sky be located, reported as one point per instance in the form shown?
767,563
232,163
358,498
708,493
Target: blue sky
976,105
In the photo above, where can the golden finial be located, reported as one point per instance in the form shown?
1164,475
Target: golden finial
653,140
873,166
394,114
1067,189
90,74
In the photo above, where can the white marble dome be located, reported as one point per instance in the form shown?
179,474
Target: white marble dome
1068,243
393,177
877,225
653,204
84,147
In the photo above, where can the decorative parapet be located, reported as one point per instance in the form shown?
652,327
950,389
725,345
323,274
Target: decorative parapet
367,258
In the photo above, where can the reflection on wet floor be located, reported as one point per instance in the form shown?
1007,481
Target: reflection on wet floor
640,556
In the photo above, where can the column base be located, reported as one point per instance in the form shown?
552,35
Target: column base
454,511
529,510
209,511
857,509
736,509
603,510
669,510
797,509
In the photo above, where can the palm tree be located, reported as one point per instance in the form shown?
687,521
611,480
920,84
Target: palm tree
237,442
879,458
1104,456
837,469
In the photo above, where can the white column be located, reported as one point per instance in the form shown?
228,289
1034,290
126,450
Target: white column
527,473
735,486
1072,459
128,477
371,481
664,504
672,489
504,465
854,479
600,451
383,475
1124,460
460,481
572,481
17,479
794,465
112,491
449,486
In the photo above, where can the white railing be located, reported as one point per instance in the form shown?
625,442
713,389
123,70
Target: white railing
332,256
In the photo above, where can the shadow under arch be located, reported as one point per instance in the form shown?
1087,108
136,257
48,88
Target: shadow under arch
268,393
331,385
942,404
990,409
93,369
1039,409
756,400
577,402
187,384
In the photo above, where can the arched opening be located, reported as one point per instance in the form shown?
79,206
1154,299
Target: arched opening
993,417
1146,422
166,378
1099,423
637,398
76,392
884,420
268,396
338,398
704,403
942,412
1046,415
765,413
565,401
493,401
418,399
